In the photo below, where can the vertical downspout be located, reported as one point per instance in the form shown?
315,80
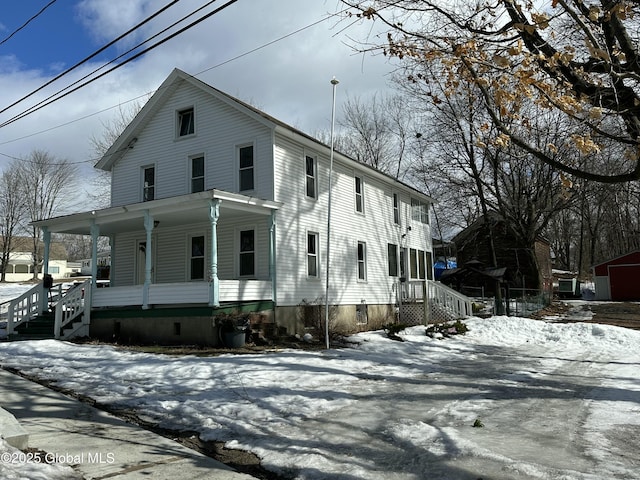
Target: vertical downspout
148,226
214,282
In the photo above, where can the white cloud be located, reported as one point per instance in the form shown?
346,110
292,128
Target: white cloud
288,79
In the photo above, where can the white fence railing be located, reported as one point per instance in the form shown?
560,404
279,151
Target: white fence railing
21,309
443,303
73,304
182,293
449,300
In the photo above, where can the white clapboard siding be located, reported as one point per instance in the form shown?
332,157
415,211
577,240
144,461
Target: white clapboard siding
177,293
220,130
117,296
300,215
245,290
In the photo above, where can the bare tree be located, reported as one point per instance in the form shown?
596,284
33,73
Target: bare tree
575,58
375,131
12,213
48,186
112,129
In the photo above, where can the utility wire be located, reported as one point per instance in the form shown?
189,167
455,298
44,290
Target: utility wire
59,92
97,52
29,21
148,93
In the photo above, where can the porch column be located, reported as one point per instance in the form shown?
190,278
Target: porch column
46,237
272,255
214,282
95,231
148,226
112,256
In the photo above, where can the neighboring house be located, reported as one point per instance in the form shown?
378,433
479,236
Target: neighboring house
103,262
519,266
617,278
217,204
20,267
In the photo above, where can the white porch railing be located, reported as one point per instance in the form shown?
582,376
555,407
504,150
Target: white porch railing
23,308
182,293
76,302
448,299
443,303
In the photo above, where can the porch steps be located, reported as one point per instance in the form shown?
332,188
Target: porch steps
38,328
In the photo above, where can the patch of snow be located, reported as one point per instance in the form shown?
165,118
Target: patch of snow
556,400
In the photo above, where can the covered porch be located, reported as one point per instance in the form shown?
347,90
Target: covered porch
169,215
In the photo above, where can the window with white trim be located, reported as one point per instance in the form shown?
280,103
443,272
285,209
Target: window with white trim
197,174
392,259
148,183
313,265
196,264
311,176
359,191
246,164
413,263
396,209
186,122
429,256
362,261
247,260
420,211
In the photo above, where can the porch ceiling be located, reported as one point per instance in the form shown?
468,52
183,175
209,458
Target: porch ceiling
168,212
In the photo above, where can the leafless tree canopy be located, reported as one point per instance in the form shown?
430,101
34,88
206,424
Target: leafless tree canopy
576,58
49,185
12,214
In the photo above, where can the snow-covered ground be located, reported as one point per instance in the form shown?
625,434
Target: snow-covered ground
548,400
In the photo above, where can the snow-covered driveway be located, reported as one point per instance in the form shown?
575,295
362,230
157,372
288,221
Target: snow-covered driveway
555,401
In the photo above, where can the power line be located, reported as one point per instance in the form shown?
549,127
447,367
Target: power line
148,93
97,52
59,96
29,21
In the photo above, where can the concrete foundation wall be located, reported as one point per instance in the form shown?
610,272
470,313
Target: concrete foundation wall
202,330
343,319
161,330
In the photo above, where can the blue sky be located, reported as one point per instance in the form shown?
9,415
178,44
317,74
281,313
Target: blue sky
54,38
288,79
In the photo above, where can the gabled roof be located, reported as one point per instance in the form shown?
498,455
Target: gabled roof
632,254
171,84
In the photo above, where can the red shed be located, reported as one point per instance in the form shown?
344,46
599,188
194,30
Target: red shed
618,278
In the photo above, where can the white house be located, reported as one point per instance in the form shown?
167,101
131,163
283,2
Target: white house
20,265
216,204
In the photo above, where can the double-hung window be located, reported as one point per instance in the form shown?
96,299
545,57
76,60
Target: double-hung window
197,174
148,183
186,122
313,269
392,258
311,167
196,271
359,191
413,263
362,261
396,209
247,259
246,164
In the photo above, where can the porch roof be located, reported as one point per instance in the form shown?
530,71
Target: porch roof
172,211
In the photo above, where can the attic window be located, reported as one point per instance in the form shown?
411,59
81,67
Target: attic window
186,122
